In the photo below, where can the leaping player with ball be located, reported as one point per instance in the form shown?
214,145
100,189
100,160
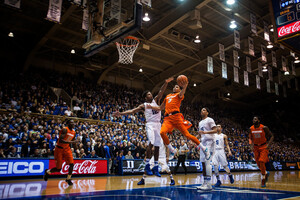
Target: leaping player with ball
174,119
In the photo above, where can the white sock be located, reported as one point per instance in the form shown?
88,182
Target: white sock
216,167
200,146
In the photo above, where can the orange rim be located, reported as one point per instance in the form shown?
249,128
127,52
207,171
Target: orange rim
131,38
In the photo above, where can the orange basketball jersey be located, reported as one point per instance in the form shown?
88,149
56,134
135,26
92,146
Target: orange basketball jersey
172,103
69,137
258,135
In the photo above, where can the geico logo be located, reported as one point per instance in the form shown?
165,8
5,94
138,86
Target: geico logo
20,190
21,167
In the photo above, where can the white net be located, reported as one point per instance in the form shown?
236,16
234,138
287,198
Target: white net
126,49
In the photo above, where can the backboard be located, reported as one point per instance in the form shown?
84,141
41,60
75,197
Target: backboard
110,20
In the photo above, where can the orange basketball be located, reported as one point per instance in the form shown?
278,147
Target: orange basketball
181,80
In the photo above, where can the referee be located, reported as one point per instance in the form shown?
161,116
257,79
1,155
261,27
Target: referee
181,159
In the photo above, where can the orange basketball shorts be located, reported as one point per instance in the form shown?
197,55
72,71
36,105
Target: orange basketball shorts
261,154
176,121
61,154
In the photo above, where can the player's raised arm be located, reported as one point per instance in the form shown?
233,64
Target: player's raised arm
269,134
129,112
182,92
162,90
227,145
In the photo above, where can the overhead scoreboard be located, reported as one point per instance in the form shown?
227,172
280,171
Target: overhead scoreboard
287,18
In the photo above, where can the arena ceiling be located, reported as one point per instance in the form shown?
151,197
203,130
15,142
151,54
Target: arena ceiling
169,34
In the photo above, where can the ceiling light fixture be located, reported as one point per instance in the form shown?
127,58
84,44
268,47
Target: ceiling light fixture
197,40
297,60
228,94
270,45
146,17
11,34
195,84
230,2
232,24
72,51
265,69
286,73
141,70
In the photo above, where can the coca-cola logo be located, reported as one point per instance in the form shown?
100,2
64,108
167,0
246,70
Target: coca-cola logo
85,167
289,29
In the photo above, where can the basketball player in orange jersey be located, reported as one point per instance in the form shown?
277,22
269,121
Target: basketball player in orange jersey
174,119
63,151
259,144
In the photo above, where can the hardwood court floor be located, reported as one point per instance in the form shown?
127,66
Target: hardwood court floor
246,183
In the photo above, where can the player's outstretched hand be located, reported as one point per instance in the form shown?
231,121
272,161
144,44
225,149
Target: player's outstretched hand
169,79
116,114
185,84
229,154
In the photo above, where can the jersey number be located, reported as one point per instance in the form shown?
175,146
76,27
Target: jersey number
154,112
257,135
217,142
69,138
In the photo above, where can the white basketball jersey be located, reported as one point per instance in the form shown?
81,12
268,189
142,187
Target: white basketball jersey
152,115
206,125
219,139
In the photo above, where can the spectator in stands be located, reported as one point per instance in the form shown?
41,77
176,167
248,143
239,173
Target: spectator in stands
92,155
129,156
36,154
68,112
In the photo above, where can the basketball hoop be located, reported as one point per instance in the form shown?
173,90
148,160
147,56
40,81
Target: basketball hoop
126,49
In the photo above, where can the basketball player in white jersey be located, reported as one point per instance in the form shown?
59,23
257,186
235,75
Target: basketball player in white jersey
153,125
207,129
219,158
163,161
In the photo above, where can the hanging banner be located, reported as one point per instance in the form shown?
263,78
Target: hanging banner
266,31
54,11
146,2
237,42
85,19
263,53
210,66
284,91
246,78
288,83
253,23
296,84
270,72
236,74
279,78
13,3
77,2
283,61
236,58
276,89
257,82
274,62
248,64
268,86
259,68
293,69
84,4
251,46
224,70
221,52
115,11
